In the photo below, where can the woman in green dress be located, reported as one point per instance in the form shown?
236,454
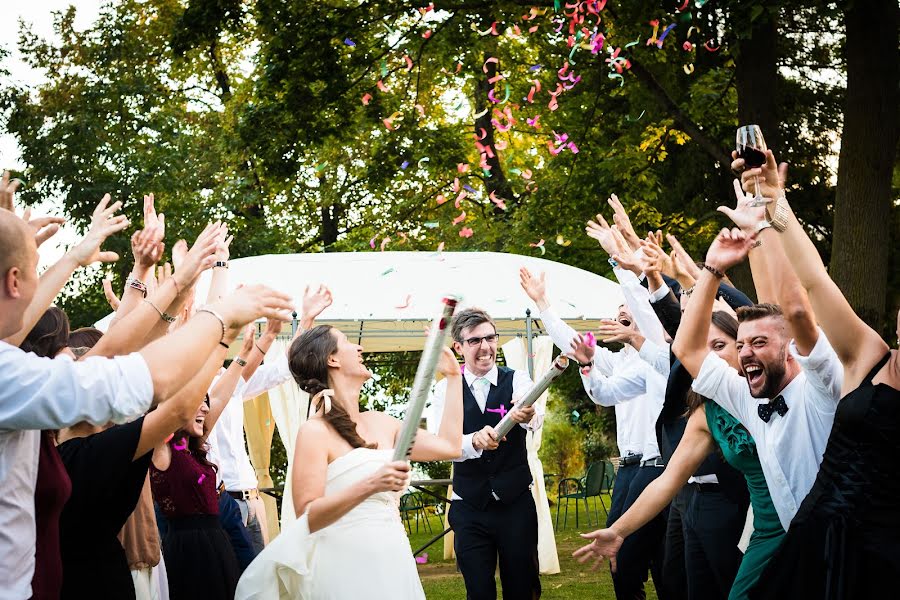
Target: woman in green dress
708,426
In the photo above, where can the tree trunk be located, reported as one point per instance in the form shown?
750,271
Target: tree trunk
862,223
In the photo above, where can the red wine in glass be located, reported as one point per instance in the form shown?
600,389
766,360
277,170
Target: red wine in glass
751,146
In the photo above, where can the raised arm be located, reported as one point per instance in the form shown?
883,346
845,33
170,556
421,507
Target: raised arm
448,441
779,280
728,249
222,391
174,412
104,223
694,447
857,345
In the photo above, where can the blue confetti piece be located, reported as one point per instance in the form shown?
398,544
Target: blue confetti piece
404,164
469,188
536,67
349,42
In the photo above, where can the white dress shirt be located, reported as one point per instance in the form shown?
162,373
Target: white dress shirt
226,441
42,393
790,447
624,380
521,385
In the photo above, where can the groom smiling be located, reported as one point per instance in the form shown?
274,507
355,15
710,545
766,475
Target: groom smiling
492,511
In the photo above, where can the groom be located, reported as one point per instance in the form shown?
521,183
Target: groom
492,512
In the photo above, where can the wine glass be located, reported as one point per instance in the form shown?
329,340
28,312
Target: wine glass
751,146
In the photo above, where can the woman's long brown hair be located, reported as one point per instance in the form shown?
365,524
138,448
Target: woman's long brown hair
308,360
728,325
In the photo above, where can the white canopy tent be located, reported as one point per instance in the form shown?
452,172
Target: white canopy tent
383,300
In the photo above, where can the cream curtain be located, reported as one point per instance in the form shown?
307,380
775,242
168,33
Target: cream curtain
288,404
260,427
516,355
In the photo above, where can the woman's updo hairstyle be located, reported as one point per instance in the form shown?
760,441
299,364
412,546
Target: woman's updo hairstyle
50,334
308,360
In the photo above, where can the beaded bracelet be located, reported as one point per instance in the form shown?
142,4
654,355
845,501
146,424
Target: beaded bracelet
719,274
162,315
137,284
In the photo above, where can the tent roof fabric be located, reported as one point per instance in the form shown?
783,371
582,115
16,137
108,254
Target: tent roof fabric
383,300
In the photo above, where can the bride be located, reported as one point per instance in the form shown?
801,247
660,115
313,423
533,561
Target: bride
348,540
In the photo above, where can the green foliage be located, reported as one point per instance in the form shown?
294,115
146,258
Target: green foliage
560,446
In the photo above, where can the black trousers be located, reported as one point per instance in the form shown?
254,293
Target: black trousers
644,549
702,557
505,530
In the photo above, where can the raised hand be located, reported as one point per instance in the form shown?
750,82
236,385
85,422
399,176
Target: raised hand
8,192
535,287
251,302
109,293
604,543
249,339
580,350
655,260
147,244
620,218
746,214
104,223
681,260
223,245
179,251
273,328
771,176
600,230
729,248
316,301
447,365
624,255
43,228
200,257
611,332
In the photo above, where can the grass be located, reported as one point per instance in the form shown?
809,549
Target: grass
441,581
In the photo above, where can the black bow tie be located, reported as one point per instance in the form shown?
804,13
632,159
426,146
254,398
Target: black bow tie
777,405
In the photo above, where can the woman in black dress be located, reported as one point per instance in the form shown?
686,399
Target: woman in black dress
844,541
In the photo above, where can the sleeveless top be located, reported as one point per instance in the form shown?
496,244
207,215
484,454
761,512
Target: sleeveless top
51,491
844,541
187,487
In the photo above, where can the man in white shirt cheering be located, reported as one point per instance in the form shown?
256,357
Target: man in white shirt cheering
788,389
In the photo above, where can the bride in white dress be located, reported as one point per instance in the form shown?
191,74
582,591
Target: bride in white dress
348,541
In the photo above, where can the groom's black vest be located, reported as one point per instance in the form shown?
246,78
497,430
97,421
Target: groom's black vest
503,471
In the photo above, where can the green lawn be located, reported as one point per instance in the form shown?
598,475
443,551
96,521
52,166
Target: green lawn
441,580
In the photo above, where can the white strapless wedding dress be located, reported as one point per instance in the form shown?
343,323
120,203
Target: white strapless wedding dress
364,554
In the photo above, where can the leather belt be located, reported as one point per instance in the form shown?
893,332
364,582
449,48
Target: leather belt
630,459
244,494
704,487
653,462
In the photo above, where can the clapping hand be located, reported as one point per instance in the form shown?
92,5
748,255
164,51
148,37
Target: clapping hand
147,244
623,223
600,230
200,257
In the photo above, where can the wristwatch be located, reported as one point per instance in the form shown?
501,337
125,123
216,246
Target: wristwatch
240,361
779,220
220,264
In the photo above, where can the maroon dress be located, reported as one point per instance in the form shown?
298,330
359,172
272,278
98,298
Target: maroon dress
200,561
51,492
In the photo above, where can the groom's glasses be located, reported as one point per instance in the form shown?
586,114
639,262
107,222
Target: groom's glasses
476,341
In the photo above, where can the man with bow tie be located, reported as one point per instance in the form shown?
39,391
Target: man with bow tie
787,390
492,512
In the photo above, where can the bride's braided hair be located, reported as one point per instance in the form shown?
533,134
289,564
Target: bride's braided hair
308,360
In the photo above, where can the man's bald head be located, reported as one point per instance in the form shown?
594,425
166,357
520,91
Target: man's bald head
17,247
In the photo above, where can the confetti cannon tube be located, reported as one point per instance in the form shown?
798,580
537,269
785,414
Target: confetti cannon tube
437,337
556,369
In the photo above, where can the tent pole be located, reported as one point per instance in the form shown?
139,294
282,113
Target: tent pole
293,324
528,343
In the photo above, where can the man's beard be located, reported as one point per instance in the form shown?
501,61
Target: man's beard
774,374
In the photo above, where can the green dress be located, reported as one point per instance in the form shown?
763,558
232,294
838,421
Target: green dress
739,451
